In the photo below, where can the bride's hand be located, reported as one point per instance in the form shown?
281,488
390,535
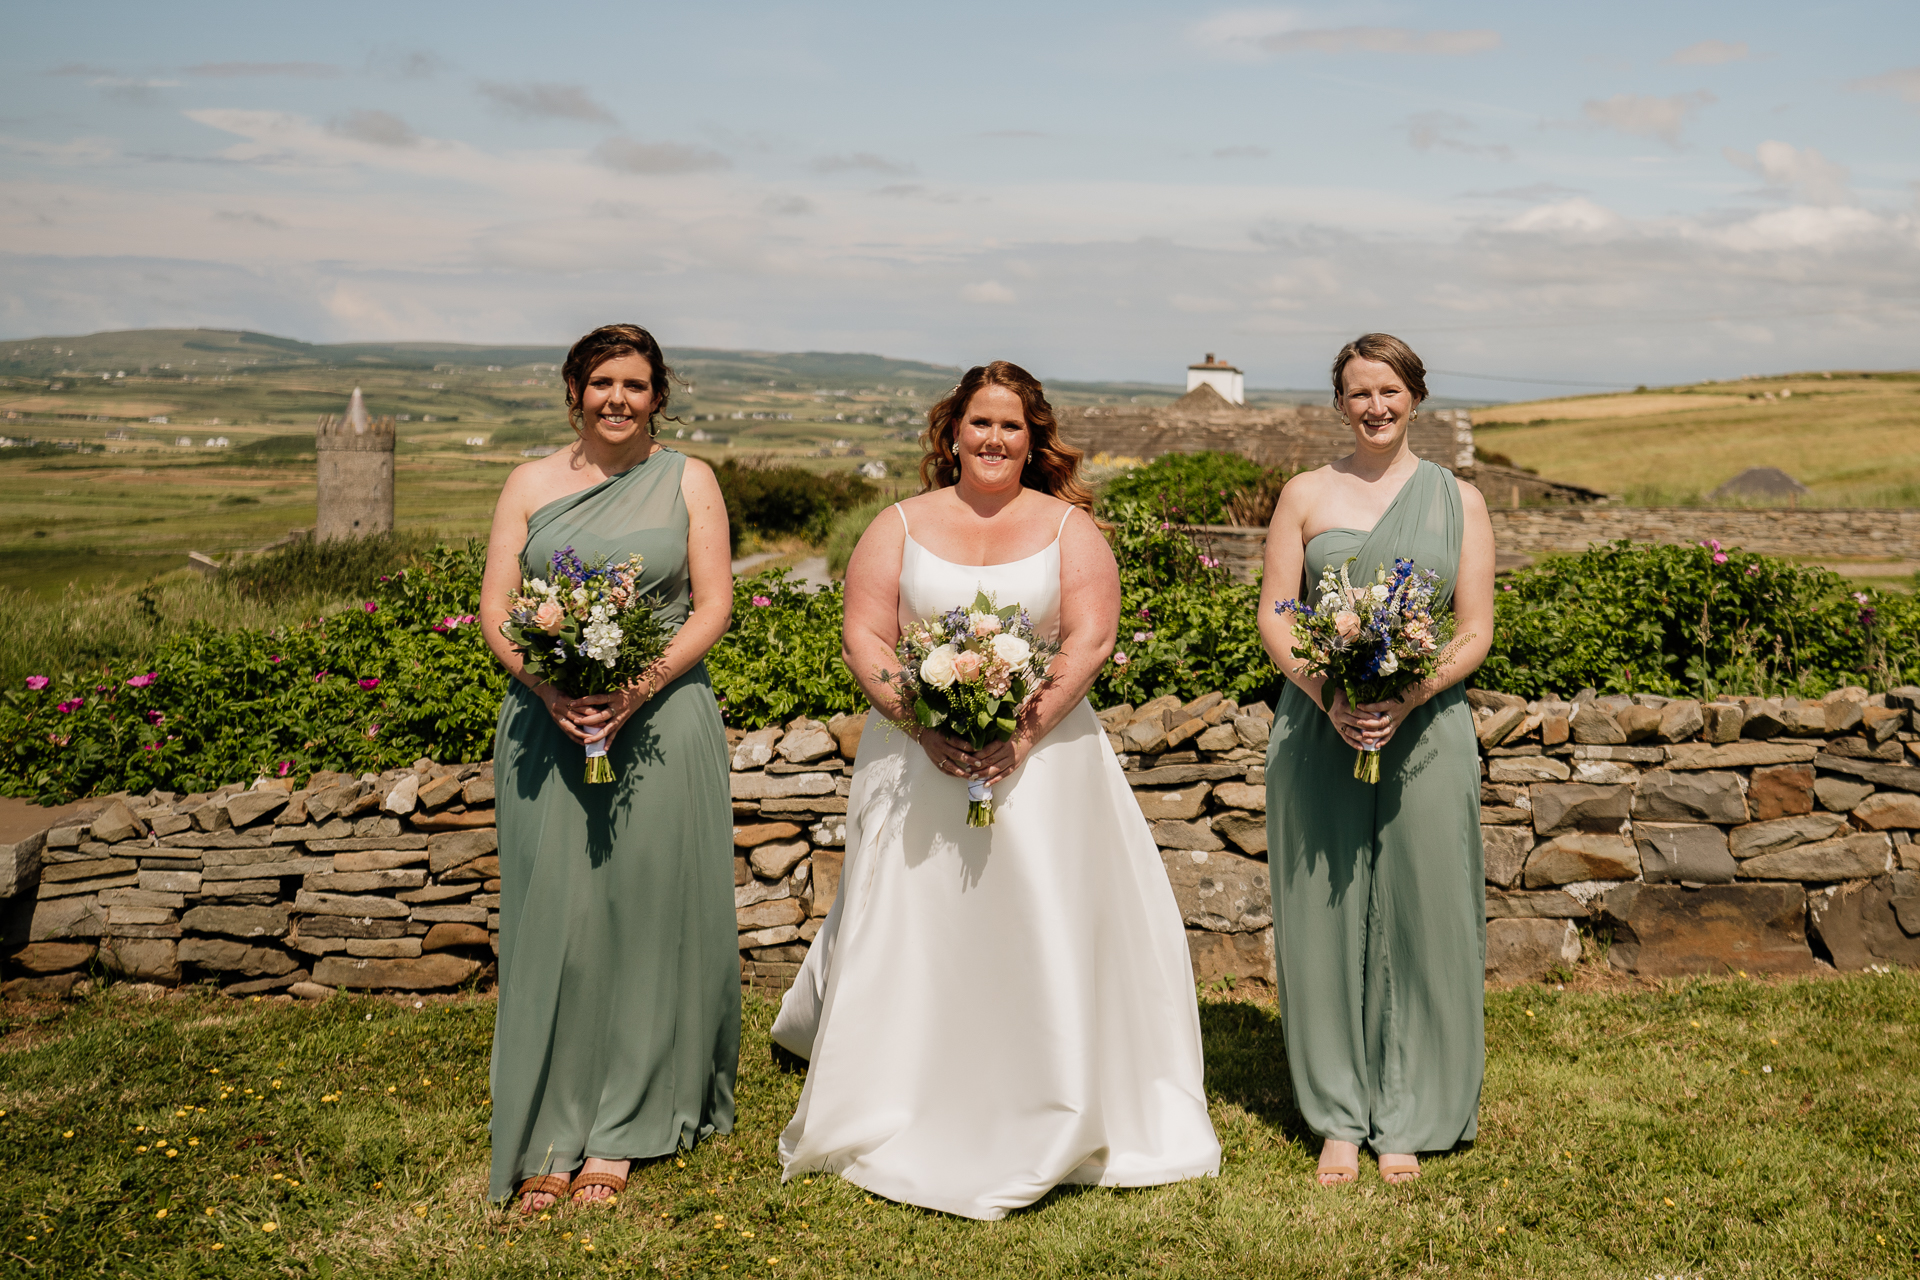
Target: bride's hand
1002,758
949,755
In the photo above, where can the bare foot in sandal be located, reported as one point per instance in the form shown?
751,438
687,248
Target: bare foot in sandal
1339,1162
1398,1169
537,1195
600,1180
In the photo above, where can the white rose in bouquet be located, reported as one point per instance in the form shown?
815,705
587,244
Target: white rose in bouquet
937,667
1011,650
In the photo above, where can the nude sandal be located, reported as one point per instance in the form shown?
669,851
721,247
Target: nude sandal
612,1181
1399,1169
1336,1175
551,1184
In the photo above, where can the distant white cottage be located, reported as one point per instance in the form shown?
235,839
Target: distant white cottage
1221,376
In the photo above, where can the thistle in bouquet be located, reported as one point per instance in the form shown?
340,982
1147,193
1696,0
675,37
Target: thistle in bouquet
586,629
969,672
1374,640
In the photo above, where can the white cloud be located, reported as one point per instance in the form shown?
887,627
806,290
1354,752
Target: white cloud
1249,34
545,101
1646,116
381,128
627,155
1711,53
1796,171
988,291
1904,83
860,162
1436,129
234,70
1579,217
1826,230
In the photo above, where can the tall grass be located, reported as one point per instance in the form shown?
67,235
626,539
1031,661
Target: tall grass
846,531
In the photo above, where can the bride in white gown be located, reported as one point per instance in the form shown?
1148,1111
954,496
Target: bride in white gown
991,1012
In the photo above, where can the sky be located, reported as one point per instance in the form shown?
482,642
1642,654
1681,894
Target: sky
1536,196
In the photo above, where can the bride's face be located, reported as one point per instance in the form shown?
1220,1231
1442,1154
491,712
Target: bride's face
992,439
618,399
1375,403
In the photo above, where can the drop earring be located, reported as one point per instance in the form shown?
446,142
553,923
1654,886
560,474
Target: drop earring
1414,415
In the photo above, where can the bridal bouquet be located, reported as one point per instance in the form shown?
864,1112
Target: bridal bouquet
1374,641
587,630
968,672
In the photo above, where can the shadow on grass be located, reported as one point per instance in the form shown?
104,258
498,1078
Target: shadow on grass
1247,1064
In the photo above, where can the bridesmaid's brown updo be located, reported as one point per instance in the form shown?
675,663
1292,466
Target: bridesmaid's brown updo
1053,466
604,343
1382,348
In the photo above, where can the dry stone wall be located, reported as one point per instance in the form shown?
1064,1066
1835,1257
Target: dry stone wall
1756,835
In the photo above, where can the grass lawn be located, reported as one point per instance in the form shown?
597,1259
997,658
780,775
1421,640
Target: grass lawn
1625,1131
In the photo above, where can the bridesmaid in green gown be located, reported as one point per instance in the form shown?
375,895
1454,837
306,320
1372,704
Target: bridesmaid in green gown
618,1029
1378,901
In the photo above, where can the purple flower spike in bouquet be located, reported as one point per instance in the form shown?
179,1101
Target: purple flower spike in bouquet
1374,641
587,630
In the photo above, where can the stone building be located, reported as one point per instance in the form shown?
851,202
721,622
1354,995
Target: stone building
355,469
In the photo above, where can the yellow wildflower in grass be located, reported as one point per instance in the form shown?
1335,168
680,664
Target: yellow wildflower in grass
393,1088
420,1211
139,1151
67,1134
270,1226
379,1186
161,1214
193,1142
218,1245
172,1152
181,1112
209,1211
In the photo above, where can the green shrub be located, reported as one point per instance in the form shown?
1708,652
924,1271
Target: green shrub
786,499
1198,488
846,531
781,657
351,567
375,685
1186,627
1696,621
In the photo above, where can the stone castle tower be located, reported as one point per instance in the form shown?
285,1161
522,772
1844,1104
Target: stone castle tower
355,474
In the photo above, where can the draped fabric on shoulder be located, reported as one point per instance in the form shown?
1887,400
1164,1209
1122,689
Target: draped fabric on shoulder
618,1029
1379,909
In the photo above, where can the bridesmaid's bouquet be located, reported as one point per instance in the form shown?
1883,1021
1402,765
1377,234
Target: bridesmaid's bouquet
1374,641
968,672
587,630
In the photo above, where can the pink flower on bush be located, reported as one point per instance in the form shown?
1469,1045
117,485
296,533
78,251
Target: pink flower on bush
1753,571
286,766
155,717
1139,637
370,683
100,688
318,676
1120,659
70,706
1719,557
373,731
549,616
151,746
761,602
370,606
1209,562
276,659
37,683
966,667
1861,597
141,682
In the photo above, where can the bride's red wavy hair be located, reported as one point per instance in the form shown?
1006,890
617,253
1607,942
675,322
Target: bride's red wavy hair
1053,466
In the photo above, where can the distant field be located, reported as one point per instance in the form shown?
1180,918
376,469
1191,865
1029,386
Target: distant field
1853,438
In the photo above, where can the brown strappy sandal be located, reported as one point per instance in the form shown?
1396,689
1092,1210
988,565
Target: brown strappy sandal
1396,1170
551,1184
612,1181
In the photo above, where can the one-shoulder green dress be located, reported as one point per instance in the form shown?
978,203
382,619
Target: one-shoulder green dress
618,1030
1379,913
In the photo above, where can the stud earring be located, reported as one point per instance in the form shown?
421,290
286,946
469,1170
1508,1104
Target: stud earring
1413,415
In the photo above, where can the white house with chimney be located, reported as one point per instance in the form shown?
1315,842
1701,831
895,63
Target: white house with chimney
1221,376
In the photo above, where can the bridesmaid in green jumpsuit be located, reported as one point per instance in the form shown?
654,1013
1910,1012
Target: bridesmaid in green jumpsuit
1378,901
618,1028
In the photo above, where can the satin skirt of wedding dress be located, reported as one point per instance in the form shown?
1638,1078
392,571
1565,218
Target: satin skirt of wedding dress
989,1013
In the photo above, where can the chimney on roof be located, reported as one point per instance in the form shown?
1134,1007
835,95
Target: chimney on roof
1222,377
1209,357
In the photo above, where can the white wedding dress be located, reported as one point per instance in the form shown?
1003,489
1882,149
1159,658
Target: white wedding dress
991,1012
